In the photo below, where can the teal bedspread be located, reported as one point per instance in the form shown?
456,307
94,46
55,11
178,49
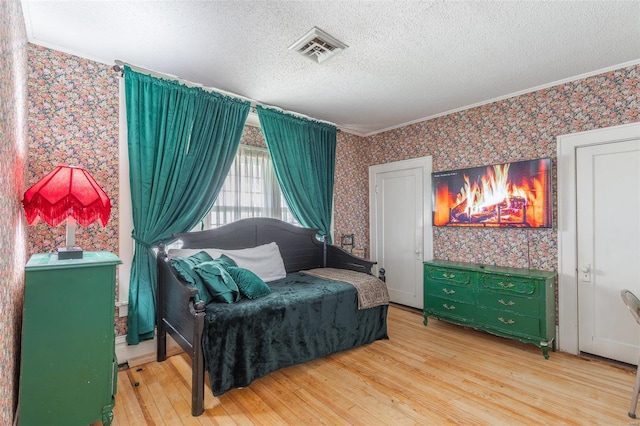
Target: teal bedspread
303,318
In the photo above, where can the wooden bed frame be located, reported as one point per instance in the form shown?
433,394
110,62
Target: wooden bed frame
183,318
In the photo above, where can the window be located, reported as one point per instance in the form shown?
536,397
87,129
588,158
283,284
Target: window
250,190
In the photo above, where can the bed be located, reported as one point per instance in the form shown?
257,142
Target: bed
305,316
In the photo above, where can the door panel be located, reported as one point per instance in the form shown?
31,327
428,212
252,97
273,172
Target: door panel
399,209
608,227
398,227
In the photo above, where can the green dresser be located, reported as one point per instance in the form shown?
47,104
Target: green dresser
508,302
68,371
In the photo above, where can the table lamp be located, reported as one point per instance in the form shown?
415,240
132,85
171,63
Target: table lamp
67,193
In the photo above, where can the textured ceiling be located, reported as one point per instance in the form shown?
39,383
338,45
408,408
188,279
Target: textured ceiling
406,60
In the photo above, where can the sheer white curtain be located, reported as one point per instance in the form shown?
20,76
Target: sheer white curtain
250,190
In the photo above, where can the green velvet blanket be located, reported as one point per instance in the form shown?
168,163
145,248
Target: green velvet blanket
303,318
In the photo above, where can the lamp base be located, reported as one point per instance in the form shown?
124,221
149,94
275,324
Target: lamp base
65,253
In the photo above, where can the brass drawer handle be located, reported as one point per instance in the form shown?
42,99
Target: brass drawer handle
449,275
451,308
510,321
446,291
507,285
509,303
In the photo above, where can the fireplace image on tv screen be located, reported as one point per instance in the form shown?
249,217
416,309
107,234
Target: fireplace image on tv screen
516,194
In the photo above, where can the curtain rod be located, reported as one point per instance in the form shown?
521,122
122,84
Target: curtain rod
119,67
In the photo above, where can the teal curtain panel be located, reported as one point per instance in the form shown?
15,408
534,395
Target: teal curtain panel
182,141
303,153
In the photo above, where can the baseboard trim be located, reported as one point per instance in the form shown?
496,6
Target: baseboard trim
143,352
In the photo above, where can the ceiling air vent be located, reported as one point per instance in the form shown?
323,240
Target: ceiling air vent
318,45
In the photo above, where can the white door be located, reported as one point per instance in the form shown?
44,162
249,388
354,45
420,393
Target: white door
400,220
608,230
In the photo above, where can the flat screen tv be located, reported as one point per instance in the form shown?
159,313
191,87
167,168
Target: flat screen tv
516,194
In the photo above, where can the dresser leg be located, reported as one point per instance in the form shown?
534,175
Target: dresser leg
545,349
107,415
424,321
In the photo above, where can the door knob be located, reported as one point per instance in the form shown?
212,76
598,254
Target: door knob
586,273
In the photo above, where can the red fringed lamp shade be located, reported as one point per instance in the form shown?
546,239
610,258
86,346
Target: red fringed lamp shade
67,192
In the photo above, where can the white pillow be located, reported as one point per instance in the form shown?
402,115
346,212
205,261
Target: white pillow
265,261
173,253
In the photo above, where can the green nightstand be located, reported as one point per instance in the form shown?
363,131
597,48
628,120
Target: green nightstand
68,372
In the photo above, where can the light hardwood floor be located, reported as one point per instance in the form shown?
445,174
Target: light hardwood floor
439,374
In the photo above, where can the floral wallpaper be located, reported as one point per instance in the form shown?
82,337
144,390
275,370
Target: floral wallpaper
252,136
13,146
73,119
518,128
351,190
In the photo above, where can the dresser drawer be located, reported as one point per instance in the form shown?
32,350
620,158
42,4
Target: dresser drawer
520,285
450,291
448,308
450,276
509,322
511,302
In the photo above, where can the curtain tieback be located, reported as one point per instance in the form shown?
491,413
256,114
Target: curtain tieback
141,241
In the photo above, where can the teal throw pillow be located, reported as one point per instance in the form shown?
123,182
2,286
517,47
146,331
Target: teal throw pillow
251,285
226,261
185,267
218,281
